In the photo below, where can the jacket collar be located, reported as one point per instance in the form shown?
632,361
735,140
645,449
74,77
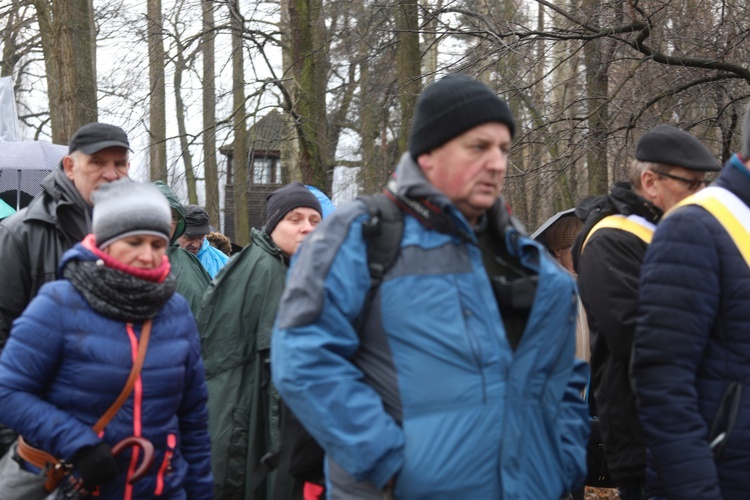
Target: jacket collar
58,192
735,176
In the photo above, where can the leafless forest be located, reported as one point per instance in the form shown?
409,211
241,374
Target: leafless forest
188,79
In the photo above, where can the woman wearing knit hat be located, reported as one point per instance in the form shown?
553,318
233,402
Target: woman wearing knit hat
83,337
235,323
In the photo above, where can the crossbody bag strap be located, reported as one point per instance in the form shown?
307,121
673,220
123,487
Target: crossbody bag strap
56,470
134,373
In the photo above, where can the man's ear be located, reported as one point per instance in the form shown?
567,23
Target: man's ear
648,184
557,254
68,163
425,162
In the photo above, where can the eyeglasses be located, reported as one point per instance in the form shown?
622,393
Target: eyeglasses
692,184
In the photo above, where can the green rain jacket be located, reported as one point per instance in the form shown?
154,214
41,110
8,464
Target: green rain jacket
191,278
235,323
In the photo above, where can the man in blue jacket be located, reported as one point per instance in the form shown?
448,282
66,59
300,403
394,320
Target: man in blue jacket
461,381
691,360
194,240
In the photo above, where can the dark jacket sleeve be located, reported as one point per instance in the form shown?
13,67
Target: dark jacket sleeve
14,279
609,271
678,304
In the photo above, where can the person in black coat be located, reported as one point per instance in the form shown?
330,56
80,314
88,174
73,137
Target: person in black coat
669,165
33,240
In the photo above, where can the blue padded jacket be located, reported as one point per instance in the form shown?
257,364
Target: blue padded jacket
65,364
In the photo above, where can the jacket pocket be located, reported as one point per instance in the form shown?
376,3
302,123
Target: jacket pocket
166,464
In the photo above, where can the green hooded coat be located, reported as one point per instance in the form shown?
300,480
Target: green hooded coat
235,323
191,277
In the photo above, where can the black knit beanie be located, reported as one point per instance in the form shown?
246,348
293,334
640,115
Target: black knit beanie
671,146
286,199
124,207
450,107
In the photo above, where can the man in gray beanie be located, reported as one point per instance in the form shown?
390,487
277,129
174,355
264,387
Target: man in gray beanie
440,382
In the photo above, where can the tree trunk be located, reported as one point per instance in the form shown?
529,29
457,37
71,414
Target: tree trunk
180,66
157,111
431,40
289,145
68,44
209,113
240,151
408,64
310,75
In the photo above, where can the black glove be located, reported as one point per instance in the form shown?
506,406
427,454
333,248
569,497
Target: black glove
95,464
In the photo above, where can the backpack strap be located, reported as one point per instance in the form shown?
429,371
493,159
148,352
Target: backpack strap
56,469
383,233
633,224
730,211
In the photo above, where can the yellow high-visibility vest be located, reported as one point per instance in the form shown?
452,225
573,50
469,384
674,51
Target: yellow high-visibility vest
729,210
634,224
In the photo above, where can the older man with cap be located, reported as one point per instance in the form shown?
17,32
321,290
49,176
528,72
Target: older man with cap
691,359
669,165
191,278
33,240
235,322
461,381
194,240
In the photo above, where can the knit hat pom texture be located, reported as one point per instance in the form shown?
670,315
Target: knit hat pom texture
125,208
450,107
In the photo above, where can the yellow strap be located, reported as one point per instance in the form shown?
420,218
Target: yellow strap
624,224
716,207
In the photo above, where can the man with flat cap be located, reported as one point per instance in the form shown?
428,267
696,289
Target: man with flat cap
194,240
669,165
33,240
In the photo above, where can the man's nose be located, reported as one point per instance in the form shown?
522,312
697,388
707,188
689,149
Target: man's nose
110,172
498,160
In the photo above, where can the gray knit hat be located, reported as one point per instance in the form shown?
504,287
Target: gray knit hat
124,207
746,135
450,107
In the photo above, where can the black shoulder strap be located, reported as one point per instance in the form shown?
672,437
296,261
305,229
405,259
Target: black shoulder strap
382,233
